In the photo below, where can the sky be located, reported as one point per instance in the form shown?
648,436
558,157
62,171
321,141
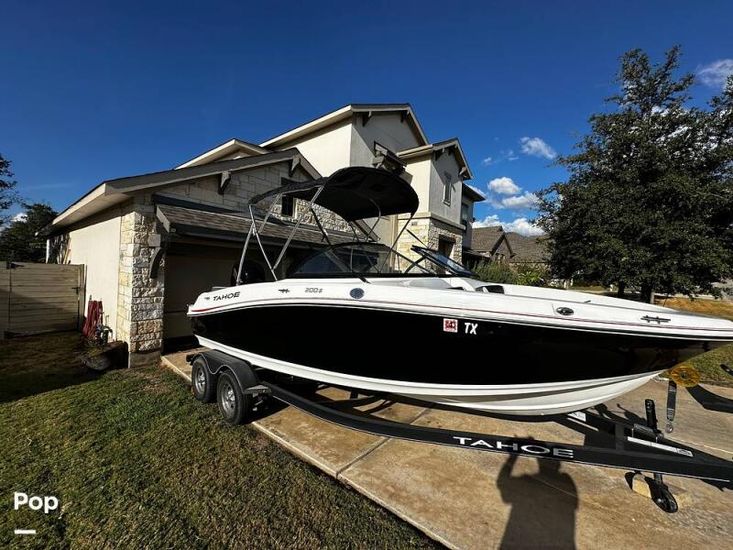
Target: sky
91,91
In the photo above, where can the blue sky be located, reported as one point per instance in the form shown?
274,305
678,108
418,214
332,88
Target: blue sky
96,90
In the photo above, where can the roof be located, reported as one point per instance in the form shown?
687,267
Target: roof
114,191
345,113
527,249
224,149
470,193
193,222
354,193
487,239
439,147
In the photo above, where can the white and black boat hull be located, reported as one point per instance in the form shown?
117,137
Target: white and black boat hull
474,363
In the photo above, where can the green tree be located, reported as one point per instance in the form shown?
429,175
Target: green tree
7,188
18,241
649,198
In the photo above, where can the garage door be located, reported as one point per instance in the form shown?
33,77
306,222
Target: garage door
187,276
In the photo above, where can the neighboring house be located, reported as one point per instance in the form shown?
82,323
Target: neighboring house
527,250
494,244
152,243
489,243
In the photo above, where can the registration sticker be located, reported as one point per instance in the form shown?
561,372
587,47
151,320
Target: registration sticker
450,325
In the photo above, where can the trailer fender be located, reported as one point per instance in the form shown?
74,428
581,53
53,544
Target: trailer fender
218,362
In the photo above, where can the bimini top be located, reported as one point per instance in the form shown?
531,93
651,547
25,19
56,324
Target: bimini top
354,193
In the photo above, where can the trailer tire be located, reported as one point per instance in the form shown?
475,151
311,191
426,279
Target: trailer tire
203,383
234,405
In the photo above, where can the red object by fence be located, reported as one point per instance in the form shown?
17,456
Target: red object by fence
94,318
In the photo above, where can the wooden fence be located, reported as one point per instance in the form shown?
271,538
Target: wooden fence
40,297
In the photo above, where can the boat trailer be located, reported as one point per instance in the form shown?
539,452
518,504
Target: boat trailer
632,446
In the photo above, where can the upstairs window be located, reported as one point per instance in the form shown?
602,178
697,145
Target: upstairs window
287,205
448,187
464,214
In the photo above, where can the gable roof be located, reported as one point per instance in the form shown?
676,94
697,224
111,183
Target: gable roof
488,239
438,148
528,249
114,191
226,148
345,113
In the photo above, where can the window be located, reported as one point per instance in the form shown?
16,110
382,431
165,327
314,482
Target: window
287,205
464,214
448,189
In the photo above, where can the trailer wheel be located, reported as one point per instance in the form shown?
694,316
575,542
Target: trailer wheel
203,383
665,500
233,404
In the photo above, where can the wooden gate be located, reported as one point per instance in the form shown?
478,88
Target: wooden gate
40,297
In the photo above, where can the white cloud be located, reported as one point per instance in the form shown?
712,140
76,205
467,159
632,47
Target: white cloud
537,147
488,221
509,155
477,190
19,217
716,73
504,186
487,161
519,225
522,226
515,202
520,202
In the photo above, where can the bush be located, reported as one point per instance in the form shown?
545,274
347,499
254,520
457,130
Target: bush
495,272
532,275
503,273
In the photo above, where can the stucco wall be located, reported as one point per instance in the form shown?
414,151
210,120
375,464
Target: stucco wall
467,237
420,170
96,245
328,149
443,168
386,128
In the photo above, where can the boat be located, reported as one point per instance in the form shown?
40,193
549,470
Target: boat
357,313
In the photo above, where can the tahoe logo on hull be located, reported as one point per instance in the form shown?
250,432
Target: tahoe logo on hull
226,296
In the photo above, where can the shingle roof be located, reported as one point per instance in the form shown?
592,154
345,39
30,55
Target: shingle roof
234,226
484,239
527,249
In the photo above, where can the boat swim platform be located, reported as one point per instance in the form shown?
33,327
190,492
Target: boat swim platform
466,499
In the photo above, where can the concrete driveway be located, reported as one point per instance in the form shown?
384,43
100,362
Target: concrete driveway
468,499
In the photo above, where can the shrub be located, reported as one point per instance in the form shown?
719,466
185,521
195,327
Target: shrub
500,272
495,272
532,275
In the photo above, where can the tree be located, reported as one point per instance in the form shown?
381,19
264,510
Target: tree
18,241
7,188
649,197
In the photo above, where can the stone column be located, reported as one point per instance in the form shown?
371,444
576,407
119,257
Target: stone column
140,297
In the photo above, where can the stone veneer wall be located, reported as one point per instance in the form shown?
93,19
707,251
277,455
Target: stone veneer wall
429,230
140,298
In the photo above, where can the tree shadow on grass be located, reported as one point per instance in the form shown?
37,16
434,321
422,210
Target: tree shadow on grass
30,365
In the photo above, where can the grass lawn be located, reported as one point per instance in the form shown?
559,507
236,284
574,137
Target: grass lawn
136,462
708,363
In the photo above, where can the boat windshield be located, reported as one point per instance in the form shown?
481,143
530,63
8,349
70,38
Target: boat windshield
442,261
358,259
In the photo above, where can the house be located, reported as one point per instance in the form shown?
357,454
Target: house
151,243
387,136
494,244
489,243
